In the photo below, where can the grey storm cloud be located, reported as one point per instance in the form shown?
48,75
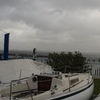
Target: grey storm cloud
56,25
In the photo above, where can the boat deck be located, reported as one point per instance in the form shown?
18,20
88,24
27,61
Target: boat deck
58,85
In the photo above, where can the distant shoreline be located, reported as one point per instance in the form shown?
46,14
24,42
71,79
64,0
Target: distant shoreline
87,55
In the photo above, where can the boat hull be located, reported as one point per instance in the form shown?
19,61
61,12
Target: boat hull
84,93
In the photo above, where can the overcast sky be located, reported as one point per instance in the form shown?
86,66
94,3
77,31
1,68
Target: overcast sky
51,25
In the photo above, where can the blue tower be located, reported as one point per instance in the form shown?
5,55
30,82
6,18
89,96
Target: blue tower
6,46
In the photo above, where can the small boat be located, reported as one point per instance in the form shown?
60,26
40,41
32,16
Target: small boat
51,86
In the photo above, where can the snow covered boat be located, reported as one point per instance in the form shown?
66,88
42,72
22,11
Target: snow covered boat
52,86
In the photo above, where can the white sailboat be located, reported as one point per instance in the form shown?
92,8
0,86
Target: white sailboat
52,86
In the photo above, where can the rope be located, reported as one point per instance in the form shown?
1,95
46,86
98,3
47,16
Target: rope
3,31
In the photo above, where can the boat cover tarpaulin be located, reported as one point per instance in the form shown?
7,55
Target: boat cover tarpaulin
13,69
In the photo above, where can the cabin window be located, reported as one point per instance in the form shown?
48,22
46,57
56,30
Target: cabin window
74,81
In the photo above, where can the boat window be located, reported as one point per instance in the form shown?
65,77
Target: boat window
74,81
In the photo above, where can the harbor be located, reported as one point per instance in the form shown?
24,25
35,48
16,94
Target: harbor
95,73
49,50
29,76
